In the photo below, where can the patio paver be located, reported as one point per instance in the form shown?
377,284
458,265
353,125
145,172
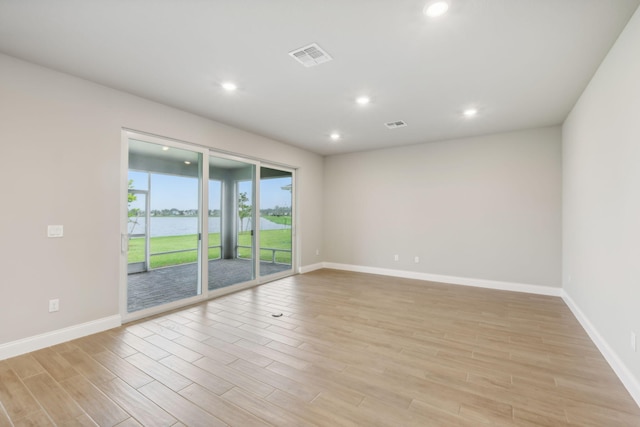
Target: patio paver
164,285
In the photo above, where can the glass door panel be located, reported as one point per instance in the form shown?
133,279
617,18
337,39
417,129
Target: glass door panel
276,249
215,219
244,217
138,254
231,232
171,222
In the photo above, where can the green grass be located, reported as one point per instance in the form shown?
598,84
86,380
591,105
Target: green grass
280,239
276,239
284,219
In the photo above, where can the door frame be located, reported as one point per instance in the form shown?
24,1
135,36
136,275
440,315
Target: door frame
294,240
255,203
204,237
205,294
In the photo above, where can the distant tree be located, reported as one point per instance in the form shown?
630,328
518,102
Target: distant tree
131,197
285,211
244,209
133,213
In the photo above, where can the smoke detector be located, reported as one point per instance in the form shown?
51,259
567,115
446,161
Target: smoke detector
311,55
394,125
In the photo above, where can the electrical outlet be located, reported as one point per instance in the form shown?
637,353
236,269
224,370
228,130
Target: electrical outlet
317,252
633,341
54,305
396,257
416,260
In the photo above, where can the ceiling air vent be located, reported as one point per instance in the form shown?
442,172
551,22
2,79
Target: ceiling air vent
394,125
311,55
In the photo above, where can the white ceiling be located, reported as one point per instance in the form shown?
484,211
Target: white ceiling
522,63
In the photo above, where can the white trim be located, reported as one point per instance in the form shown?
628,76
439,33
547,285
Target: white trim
309,268
624,374
124,222
453,280
37,342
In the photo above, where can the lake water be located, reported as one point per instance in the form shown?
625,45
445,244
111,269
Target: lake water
179,226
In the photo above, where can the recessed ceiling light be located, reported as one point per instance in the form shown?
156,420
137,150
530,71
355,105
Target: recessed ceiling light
187,162
229,86
470,112
363,100
334,136
165,148
435,9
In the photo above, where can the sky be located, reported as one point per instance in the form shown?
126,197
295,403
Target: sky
171,191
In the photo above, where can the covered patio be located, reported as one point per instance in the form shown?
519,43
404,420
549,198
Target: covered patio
168,284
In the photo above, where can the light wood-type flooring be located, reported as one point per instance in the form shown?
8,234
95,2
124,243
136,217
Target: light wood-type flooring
350,349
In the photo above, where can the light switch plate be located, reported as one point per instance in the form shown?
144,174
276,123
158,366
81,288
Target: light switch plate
55,231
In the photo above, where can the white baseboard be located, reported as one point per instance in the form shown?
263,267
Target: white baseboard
628,379
37,342
310,268
453,280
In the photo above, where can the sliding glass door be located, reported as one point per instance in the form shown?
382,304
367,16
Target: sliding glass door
276,221
197,222
232,261
164,217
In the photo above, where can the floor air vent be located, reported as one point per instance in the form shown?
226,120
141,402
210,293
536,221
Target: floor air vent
311,55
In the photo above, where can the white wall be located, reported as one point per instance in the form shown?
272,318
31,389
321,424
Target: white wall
60,164
482,208
601,209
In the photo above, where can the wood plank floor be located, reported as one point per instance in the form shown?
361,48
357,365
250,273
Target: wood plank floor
350,349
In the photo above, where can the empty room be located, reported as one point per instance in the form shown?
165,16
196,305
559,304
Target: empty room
292,213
